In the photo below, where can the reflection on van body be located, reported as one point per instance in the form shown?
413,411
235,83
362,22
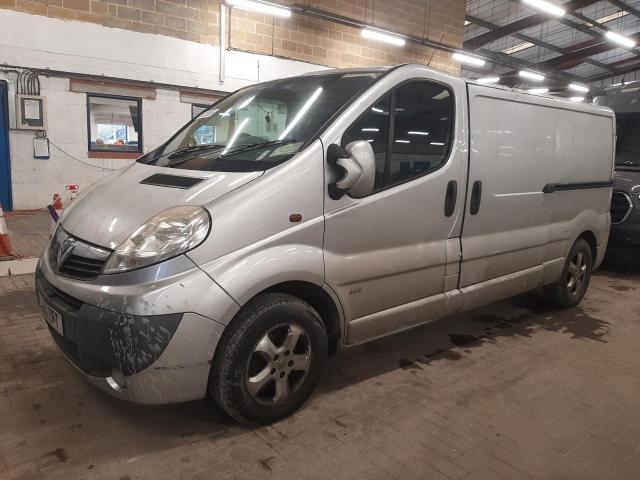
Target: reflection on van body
300,216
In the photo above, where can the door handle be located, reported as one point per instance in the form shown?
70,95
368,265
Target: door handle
476,197
450,198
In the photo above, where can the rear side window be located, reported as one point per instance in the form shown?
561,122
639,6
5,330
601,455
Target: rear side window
415,121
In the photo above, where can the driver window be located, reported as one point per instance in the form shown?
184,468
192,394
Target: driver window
373,127
422,131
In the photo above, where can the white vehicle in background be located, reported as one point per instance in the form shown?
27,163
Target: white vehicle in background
322,211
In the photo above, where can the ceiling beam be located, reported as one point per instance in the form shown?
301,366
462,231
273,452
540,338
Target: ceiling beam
623,6
623,71
522,24
535,41
577,56
518,64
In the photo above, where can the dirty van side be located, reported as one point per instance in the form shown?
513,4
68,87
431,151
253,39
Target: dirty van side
365,202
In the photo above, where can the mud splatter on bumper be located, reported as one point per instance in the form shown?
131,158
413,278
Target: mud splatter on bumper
97,340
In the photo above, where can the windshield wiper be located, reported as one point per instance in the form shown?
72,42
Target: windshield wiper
255,146
193,148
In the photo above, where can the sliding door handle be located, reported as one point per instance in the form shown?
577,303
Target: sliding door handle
450,198
476,197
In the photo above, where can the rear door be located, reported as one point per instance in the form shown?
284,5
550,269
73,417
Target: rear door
389,251
5,167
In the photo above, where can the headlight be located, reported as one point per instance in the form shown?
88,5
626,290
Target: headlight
170,233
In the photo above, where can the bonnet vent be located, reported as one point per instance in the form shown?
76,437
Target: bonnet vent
172,181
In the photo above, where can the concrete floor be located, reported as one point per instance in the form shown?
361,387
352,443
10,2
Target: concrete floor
29,231
512,391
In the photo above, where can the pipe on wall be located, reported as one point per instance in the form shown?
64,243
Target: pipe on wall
223,37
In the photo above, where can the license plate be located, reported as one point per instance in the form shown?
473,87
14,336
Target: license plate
52,317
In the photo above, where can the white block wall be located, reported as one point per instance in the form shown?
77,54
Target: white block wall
35,181
86,48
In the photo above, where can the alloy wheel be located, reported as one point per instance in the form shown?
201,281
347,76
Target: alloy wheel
576,273
278,364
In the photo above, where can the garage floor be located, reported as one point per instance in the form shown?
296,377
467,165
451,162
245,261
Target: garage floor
513,391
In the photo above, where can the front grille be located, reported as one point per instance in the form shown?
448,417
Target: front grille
620,207
75,258
81,267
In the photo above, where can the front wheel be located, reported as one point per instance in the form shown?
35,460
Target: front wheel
568,291
269,360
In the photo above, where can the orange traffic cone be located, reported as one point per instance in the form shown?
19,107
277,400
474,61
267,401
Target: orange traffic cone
5,243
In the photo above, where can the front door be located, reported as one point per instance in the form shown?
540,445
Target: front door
386,254
5,166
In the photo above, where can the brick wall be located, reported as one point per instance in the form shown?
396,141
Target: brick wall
299,37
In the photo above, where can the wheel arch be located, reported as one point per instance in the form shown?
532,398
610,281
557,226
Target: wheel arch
589,237
322,300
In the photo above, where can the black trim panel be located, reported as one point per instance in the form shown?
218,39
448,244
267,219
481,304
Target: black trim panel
558,187
97,340
173,181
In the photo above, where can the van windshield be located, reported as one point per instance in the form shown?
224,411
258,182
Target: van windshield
261,126
628,144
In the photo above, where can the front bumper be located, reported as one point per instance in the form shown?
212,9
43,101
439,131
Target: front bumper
625,234
148,348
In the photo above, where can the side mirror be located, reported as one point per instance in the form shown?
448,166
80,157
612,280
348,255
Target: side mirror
358,165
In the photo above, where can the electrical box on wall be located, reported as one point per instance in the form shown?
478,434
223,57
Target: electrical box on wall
31,112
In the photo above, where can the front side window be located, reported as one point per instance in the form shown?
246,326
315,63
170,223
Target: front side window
261,126
114,123
421,127
373,127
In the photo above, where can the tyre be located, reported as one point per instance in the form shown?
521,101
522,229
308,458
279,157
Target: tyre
568,291
269,359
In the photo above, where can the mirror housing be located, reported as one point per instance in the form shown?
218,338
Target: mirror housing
358,164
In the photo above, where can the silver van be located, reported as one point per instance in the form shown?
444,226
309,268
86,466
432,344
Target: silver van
299,216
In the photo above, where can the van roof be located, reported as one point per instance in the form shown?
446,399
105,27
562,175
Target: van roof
333,71
385,69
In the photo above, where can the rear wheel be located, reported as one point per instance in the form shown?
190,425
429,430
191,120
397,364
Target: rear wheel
269,360
568,291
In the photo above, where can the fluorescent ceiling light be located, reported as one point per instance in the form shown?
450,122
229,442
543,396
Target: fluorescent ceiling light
417,132
576,99
464,58
262,7
546,7
488,80
578,87
437,144
382,36
620,39
377,110
613,16
518,48
538,90
403,141
538,77
301,113
368,129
